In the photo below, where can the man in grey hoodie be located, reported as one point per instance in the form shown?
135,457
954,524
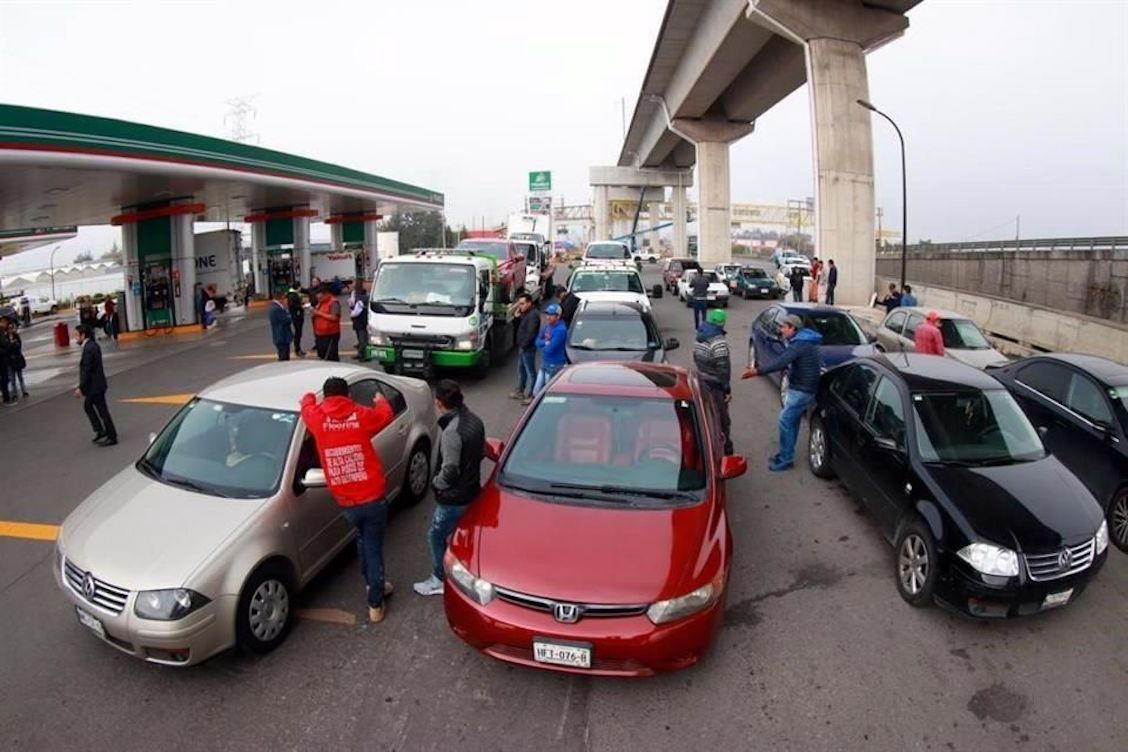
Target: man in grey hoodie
713,360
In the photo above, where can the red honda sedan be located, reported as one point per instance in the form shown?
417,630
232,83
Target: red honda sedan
601,544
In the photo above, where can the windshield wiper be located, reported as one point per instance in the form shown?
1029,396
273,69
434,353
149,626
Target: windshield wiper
541,491
393,300
627,491
191,485
147,467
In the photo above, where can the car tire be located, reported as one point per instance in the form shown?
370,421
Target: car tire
1118,520
265,612
818,450
915,563
54,310
417,476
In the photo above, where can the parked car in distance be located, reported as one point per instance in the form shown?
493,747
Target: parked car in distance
511,265
842,337
626,457
1078,404
608,251
963,340
611,282
609,330
672,270
754,282
203,543
718,294
40,305
728,273
647,254
981,516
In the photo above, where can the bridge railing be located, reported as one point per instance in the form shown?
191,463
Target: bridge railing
1103,243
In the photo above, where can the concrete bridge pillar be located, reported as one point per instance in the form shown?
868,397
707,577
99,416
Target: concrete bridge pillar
601,209
678,201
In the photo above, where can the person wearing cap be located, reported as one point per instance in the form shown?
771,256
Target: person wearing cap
550,341
804,368
928,340
713,361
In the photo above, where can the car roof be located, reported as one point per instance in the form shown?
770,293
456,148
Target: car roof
605,267
606,242
811,309
611,308
279,386
627,378
925,310
1108,371
933,373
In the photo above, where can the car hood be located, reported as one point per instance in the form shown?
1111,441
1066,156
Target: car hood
1029,506
614,296
139,534
578,355
977,358
832,355
584,553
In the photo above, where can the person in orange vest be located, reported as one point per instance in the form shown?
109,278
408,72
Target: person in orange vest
327,325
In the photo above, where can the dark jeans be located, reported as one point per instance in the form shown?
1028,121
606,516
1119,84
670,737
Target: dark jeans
830,294
797,293
526,371
326,346
361,331
717,397
443,521
297,321
371,522
4,380
99,415
283,350
700,311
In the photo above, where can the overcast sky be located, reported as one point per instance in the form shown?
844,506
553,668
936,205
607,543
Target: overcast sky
1008,108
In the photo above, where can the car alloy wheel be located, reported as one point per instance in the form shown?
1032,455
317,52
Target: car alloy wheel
264,616
1118,520
916,563
818,455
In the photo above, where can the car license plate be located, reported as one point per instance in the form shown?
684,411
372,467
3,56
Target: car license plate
90,622
576,656
1057,599
413,354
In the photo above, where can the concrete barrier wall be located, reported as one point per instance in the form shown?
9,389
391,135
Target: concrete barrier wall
1021,328
1087,282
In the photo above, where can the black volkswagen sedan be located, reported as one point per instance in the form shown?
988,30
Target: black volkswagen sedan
982,518
1078,404
613,330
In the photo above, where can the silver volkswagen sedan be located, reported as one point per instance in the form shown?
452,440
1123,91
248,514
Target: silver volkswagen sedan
202,544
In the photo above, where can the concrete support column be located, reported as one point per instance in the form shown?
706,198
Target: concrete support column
132,267
714,205
258,243
371,245
680,225
844,213
301,249
184,269
601,210
336,236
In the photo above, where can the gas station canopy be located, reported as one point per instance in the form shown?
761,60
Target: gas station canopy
63,169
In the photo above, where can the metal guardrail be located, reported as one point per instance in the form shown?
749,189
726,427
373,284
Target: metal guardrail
1104,243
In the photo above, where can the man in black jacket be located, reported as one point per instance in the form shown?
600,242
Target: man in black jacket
297,317
459,477
525,337
7,347
92,386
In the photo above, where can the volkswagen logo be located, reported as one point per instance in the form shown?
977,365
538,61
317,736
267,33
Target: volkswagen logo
566,613
88,586
1065,559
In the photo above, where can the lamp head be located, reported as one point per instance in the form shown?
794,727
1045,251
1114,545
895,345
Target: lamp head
866,104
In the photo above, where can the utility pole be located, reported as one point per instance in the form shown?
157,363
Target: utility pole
880,213
623,115
1017,220
239,113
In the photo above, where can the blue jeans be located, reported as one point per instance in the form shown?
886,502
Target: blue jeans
700,311
789,419
526,371
443,521
545,375
371,522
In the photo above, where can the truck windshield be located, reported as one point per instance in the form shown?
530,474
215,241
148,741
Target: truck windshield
424,289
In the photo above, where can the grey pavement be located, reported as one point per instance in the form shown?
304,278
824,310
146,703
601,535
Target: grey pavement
818,651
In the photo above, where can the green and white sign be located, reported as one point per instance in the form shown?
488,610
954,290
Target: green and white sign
540,182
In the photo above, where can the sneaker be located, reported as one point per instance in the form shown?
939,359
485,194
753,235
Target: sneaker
97,438
375,614
430,586
516,395
526,401
779,465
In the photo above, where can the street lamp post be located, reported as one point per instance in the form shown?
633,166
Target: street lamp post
904,190
52,262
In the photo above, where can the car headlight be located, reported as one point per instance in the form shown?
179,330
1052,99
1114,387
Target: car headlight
990,559
167,605
673,609
378,339
1102,537
472,587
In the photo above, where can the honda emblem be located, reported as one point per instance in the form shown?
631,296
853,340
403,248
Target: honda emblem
566,613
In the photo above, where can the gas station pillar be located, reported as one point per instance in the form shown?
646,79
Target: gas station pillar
371,251
132,266
258,243
301,255
184,269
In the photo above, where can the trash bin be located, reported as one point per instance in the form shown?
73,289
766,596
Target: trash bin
62,335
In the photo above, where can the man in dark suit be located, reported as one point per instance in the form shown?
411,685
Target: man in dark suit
92,387
281,325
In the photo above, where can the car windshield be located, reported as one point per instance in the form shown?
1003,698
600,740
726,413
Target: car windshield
609,449
607,251
835,328
606,282
221,449
961,334
423,289
974,427
755,274
711,276
498,251
611,333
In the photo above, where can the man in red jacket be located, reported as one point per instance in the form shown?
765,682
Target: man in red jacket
343,432
928,340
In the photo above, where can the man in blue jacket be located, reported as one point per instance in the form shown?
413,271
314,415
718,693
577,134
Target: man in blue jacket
804,365
550,341
281,323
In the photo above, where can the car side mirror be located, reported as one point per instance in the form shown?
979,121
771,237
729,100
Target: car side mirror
314,478
672,343
494,448
656,291
733,466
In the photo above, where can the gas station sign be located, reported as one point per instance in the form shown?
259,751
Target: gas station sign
540,182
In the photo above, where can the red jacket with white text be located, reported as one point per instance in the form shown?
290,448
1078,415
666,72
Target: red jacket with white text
343,432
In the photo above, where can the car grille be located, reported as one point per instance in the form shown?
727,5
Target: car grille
424,341
1043,567
537,603
107,596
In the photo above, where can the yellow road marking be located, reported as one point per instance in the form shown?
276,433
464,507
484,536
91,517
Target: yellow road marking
328,615
268,356
162,399
29,530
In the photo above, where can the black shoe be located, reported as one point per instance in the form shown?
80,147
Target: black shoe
26,394
97,437
107,441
